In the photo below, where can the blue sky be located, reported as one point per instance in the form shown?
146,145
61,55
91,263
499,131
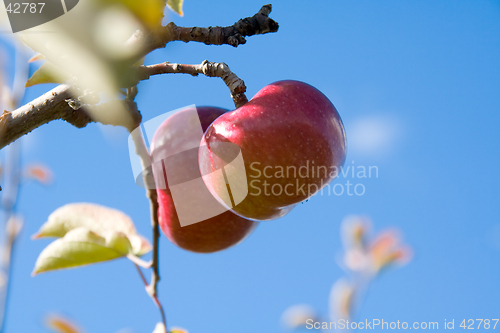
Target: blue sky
417,86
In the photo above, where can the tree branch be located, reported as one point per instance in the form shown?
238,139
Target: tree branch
212,69
233,35
34,114
54,104
59,103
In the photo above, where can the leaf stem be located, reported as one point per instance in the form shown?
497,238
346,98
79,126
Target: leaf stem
139,262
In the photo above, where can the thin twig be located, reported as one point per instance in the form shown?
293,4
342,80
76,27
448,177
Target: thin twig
11,178
142,151
13,228
10,222
155,298
162,312
211,69
143,278
155,277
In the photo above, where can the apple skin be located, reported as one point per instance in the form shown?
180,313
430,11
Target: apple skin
287,124
214,234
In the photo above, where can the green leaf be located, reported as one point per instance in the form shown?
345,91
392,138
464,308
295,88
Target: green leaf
81,247
46,73
176,6
88,233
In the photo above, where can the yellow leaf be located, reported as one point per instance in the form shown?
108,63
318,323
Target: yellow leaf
81,247
40,173
96,218
47,73
88,234
37,56
342,297
296,316
176,6
149,12
178,330
61,325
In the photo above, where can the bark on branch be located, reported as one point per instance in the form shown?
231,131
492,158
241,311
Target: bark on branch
212,69
53,105
50,106
233,35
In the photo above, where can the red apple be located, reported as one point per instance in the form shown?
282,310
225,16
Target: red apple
292,142
174,150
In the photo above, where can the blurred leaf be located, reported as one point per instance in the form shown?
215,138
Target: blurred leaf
354,230
176,6
296,316
81,247
47,73
4,21
90,234
356,260
14,226
160,328
387,249
140,62
3,279
384,242
177,330
37,56
39,172
341,299
149,12
399,256
61,325
6,96
90,43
